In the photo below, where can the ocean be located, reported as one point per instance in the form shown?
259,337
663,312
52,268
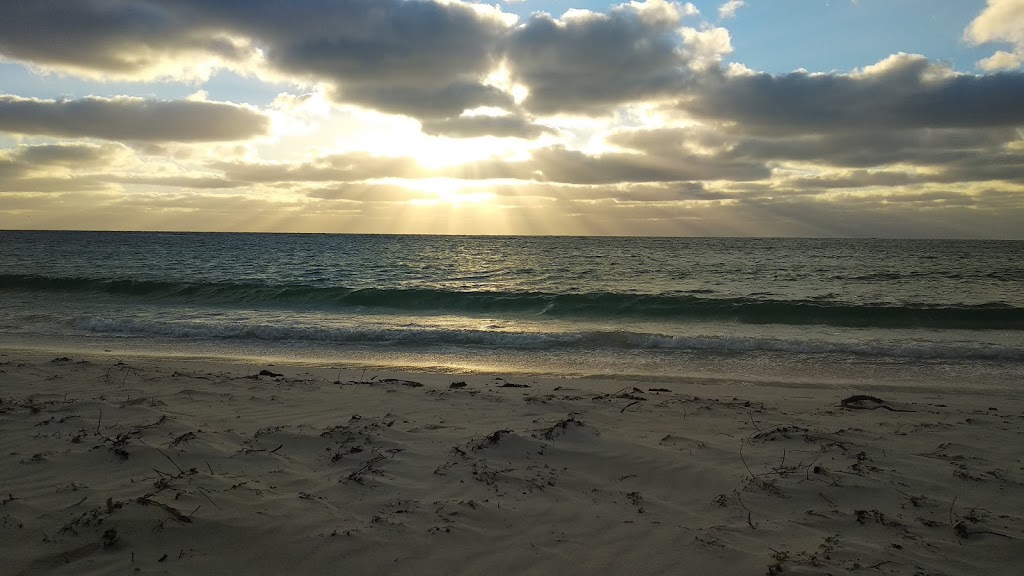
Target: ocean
794,310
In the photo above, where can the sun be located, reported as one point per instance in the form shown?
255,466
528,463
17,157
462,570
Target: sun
450,192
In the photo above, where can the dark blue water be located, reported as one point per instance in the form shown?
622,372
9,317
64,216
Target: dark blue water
634,305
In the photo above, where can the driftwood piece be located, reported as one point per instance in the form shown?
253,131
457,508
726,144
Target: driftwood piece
865,402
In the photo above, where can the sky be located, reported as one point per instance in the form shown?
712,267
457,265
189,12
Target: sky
821,118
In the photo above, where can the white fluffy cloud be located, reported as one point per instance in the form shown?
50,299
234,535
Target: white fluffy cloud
728,10
1000,21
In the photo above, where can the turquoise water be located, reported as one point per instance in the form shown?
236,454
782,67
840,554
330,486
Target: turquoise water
657,306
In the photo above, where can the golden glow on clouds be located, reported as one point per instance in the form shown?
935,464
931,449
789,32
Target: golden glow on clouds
611,161
501,79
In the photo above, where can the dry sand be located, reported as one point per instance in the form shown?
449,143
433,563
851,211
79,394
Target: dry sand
167,466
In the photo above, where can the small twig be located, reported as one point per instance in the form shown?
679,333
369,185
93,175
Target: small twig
171,461
633,403
210,467
807,471
84,498
207,496
744,460
276,449
749,521
750,413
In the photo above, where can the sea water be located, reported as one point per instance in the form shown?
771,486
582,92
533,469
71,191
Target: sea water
826,310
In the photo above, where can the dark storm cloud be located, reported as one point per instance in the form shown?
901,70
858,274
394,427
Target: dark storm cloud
137,119
473,126
901,92
591,62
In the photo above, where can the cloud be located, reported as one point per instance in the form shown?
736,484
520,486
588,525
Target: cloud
1001,60
334,168
728,10
1000,21
902,91
557,164
131,119
421,58
707,46
425,59
64,167
626,118
108,39
587,61
473,126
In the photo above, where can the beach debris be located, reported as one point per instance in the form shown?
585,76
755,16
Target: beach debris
777,432
183,439
864,402
512,385
110,538
492,439
178,374
561,427
457,385
174,512
633,403
658,390
961,524
409,383
371,466
269,373
627,393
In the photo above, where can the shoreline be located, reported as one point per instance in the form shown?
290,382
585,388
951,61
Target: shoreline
996,378
174,466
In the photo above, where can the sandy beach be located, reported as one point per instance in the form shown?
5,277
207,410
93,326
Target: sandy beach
170,466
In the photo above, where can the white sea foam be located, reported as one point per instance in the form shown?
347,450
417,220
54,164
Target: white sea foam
610,340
